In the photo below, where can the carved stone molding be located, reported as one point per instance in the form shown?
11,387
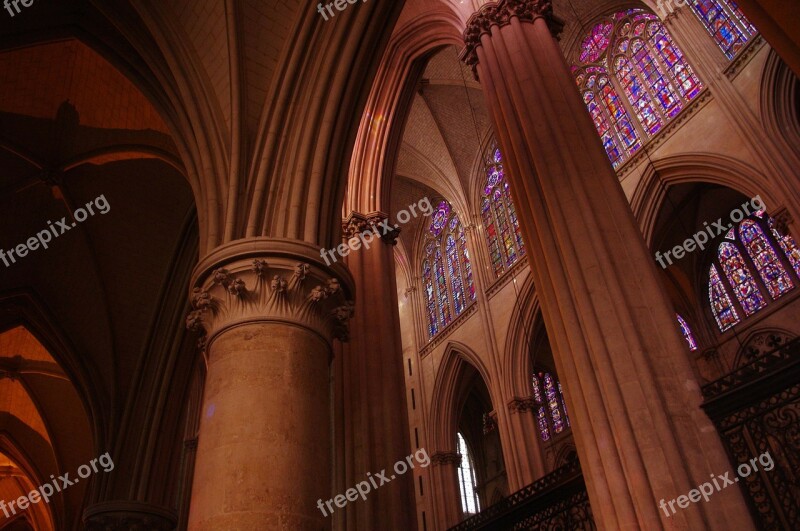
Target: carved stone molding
128,516
446,458
520,405
500,14
377,222
783,219
279,281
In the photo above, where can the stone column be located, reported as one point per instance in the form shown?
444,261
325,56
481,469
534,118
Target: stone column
375,411
527,448
630,390
269,310
779,22
445,490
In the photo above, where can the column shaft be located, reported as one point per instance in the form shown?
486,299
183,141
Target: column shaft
640,433
264,447
268,310
375,409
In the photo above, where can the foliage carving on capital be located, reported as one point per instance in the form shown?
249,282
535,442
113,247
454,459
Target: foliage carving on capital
520,405
263,291
376,222
446,458
500,14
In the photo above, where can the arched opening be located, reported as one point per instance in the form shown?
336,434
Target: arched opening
483,472
44,431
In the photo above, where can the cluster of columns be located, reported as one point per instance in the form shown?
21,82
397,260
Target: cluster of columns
633,399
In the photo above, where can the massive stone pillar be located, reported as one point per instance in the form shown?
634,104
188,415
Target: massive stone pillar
779,22
269,309
375,411
630,390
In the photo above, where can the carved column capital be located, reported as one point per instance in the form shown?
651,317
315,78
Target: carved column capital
378,222
500,14
128,516
446,458
520,405
265,279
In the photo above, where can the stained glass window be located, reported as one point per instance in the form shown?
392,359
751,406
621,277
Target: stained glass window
503,234
757,238
764,257
788,246
446,270
721,304
551,413
687,333
430,299
442,299
740,278
563,403
633,79
725,22
467,483
541,420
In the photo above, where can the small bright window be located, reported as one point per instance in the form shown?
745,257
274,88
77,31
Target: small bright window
466,480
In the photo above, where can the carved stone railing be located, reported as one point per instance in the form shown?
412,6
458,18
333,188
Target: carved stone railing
756,409
556,501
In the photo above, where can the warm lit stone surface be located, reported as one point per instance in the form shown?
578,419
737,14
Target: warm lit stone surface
264,454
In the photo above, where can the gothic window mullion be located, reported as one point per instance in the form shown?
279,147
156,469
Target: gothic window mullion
753,267
449,281
656,104
626,102
780,252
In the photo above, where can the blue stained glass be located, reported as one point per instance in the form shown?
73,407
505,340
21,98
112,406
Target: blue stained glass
503,233
466,265
738,274
766,260
440,216
563,403
788,246
596,43
430,300
687,333
454,268
653,74
491,236
541,419
441,288
721,305
552,402
725,22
